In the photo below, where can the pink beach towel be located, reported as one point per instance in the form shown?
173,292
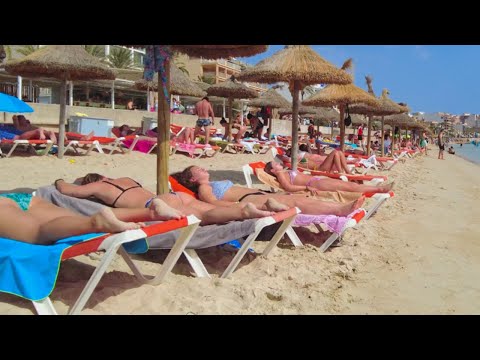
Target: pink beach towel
143,146
333,223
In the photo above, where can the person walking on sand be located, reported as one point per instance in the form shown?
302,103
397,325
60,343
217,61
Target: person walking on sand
441,145
204,111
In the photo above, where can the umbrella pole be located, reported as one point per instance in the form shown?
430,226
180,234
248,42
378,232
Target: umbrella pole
230,118
296,90
61,126
393,139
382,138
342,127
369,134
163,137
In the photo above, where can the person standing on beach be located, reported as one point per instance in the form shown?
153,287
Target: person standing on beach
441,145
204,111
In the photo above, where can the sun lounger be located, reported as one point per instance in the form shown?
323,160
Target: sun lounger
257,169
208,235
30,144
28,264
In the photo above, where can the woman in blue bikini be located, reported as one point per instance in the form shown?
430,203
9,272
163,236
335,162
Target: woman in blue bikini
225,193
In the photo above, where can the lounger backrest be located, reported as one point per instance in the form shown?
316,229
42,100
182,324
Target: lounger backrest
176,186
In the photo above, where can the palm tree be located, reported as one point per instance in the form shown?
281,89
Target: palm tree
120,58
207,79
181,66
310,90
95,50
26,50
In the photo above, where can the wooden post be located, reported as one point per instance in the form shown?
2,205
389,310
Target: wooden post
61,125
296,91
382,138
393,138
342,127
369,134
70,93
163,130
230,118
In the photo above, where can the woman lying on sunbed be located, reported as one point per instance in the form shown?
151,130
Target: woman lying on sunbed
225,193
30,132
30,219
333,162
292,180
127,193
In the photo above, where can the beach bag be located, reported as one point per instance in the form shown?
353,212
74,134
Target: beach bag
348,119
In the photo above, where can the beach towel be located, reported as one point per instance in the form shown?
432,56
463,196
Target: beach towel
30,271
331,223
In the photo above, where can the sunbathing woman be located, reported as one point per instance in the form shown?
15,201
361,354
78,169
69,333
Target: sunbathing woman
224,193
333,162
27,218
127,193
291,180
30,132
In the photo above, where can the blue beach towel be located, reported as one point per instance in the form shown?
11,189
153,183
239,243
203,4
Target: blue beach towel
30,271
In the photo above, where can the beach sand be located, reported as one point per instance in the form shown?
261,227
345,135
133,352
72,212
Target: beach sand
418,255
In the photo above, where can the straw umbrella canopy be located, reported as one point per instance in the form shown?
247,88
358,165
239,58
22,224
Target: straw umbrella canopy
64,62
386,107
299,66
180,84
158,57
231,89
270,98
342,96
219,51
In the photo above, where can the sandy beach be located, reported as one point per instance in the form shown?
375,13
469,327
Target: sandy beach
420,254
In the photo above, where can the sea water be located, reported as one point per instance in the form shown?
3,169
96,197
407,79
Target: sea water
467,151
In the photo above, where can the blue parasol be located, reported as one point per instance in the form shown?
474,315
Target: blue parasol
13,105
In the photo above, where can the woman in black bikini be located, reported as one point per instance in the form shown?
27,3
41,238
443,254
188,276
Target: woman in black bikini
127,193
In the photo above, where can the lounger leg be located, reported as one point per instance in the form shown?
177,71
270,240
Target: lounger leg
293,237
172,258
94,279
44,307
241,253
12,149
329,242
279,234
196,263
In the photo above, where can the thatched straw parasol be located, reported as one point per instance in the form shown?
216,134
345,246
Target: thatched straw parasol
162,63
179,82
300,66
342,96
386,107
219,51
302,110
64,62
270,98
231,89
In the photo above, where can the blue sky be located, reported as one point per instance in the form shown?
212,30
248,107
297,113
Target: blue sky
428,78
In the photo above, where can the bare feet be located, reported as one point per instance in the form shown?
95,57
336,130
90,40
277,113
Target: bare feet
106,221
89,136
163,211
250,211
387,187
53,137
351,207
273,205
